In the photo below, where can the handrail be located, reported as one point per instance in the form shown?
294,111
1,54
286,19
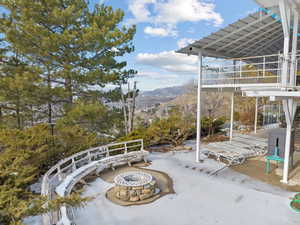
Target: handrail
56,173
248,70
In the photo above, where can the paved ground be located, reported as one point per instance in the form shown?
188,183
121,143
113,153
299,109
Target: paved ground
228,198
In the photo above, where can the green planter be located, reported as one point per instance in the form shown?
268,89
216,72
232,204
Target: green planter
295,203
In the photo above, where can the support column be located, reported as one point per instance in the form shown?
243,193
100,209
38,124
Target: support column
288,105
256,112
198,141
285,14
231,116
285,21
293,68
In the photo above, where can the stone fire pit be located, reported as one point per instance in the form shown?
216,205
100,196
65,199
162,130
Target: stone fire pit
135,186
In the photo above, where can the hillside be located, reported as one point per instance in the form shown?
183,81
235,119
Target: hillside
160,95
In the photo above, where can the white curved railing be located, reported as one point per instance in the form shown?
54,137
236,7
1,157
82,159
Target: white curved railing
112,153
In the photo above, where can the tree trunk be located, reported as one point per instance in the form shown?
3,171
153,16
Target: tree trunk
129,105
32,115
124,111
1,115
133,105
69,90
18,116
50,98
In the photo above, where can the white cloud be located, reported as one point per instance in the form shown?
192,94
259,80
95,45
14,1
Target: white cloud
169,61
159,31
168,13
174,11
140,10
183,42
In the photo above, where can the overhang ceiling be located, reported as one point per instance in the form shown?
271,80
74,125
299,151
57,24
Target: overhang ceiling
259,33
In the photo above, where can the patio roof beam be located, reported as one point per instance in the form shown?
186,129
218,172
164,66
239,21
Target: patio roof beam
236,31
254,38
261,40
247,34
264,46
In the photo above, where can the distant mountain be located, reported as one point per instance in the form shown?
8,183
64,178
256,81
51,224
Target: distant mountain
167,92
160,95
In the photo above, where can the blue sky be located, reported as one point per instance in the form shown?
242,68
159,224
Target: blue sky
165,25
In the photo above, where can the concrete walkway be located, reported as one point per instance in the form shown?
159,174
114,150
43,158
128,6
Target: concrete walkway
227,198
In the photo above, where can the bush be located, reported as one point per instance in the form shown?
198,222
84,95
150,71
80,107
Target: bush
210,126
174,130
24,156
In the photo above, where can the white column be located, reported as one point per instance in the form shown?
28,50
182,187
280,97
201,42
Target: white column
288,120
285,21
293,68
198,141
231,116
285,14
256,112
287,154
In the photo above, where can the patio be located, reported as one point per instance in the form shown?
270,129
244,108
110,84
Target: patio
201,197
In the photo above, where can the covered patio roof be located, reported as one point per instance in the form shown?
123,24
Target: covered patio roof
259,33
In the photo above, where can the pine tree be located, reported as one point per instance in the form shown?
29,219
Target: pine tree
19,85
75,47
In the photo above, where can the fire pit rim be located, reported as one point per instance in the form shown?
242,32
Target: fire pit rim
143,179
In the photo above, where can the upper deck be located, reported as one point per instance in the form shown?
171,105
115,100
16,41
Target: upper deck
238,73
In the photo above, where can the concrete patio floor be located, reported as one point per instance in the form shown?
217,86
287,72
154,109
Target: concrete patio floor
227,198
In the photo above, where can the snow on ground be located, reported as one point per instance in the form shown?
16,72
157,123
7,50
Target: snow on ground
33,220
228,198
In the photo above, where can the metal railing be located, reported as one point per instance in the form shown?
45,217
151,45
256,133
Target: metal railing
250,70
55,175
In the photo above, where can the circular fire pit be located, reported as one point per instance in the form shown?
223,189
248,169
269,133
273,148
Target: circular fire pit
134,186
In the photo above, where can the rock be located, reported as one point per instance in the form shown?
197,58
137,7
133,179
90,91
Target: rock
137,188
125,198
145,196
134,198
122,187
146,191
132,193
123,193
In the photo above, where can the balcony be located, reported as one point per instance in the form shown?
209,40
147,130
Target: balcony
237,73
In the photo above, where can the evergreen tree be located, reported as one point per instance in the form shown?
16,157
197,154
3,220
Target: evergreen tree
74,46
19,85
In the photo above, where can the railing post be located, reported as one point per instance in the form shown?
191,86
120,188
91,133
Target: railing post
142,144
107,151
125,148
264,66
59,174
90,157
73,164
279,69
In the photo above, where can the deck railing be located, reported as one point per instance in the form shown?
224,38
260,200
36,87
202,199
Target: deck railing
250,70
54,176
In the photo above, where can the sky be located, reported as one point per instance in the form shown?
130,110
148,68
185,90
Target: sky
164,26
